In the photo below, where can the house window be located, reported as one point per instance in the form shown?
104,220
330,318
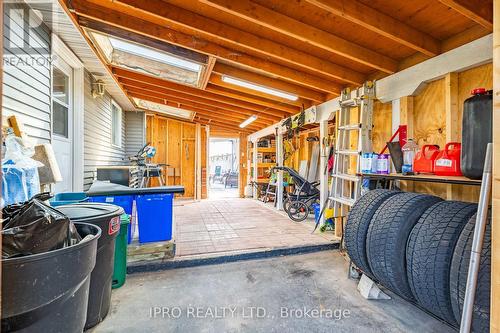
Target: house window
116,124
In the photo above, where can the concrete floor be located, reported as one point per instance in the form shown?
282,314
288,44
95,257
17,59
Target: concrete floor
265,295
218,191
234,224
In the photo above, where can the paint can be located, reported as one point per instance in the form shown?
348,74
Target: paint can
383,164
369,162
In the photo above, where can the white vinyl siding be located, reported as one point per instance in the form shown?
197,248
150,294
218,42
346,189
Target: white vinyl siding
98,150
27,76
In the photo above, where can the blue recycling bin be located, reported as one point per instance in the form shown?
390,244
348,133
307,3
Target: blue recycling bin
124,201
154,214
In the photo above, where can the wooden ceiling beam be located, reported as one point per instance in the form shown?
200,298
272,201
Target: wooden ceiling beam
382,24
271,112
276,21
251,98
194,107
93,16
196,103
252,77
205,27
216,79
479,11
130,84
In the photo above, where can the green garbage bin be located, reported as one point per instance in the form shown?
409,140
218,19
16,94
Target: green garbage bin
120,268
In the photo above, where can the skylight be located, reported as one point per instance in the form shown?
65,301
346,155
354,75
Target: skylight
149,53
164,109
253,86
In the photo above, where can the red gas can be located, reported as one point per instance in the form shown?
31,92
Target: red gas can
425,158
448,161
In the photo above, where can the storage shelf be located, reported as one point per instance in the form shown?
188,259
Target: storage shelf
264,165
266,150
424,178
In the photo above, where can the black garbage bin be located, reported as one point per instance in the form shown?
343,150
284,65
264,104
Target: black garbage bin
107,217
48,292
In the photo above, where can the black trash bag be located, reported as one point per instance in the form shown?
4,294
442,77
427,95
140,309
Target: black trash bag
33,227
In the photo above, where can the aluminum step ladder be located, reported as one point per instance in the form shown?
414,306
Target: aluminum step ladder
346,184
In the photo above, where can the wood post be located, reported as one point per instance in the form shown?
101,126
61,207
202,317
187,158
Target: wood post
452,112
323,161
495,225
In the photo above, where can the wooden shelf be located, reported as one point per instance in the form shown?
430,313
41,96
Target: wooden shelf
264,165
425,178
266,150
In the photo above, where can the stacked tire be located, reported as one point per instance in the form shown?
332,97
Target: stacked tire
419,247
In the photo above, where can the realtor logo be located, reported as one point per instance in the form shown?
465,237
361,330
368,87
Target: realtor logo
25,32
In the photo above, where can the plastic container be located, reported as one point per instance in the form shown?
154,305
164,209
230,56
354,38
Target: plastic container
154,214
476,132
409,151
107,217
52,294
68,198
425,159
120,263
383,164
448,160
369,163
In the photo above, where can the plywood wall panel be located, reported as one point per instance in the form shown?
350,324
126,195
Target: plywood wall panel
174,136
429,115
382,125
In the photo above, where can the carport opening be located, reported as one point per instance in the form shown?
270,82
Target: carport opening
224,168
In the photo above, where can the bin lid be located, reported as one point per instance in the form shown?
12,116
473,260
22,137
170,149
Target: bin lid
90,210
101,188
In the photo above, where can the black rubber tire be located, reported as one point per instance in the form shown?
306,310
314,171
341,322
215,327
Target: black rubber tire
429,254
357,224
387,237
298,211
458,274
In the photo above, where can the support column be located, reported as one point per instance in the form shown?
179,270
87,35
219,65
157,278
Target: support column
279,178
255,169
198,162
495,225
406,117
323,162
452,116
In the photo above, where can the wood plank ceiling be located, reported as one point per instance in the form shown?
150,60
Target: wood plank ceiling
310,48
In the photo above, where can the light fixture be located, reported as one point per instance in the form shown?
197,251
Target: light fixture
97,88
253,86
248,121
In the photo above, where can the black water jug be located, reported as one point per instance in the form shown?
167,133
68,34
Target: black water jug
476,131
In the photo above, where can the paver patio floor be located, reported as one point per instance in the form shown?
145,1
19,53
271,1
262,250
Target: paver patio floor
234,224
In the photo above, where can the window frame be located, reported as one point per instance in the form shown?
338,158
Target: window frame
118,144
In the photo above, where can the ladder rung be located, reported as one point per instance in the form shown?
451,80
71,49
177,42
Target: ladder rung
344,176
344,201
349,102
350,127
347,152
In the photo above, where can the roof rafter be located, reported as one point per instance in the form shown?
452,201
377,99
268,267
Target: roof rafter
478,11
228,112
202,26
95,14
235,72
188,107
151,81
276,21
381,23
